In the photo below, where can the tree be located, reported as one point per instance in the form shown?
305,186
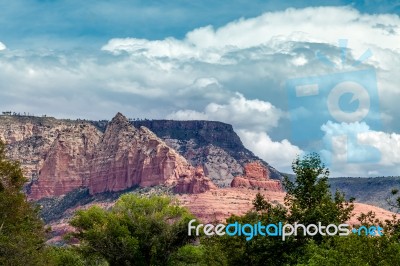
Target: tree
260,203
22,233
352,250
136,231
309,199
201,255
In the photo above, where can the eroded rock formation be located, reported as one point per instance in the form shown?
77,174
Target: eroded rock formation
59,156
256,175
127,156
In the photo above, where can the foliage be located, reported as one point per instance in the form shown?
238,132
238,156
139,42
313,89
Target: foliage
309,199
260,204
22,233
136,231
201,255
71,256
353,250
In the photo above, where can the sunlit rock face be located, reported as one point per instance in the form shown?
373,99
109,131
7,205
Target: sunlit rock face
256,175
58,156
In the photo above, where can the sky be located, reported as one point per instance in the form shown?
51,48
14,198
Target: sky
290,76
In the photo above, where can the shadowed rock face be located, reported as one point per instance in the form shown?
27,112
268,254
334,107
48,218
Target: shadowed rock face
257,175
59,156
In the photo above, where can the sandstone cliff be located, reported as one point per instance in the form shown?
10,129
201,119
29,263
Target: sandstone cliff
127,157
54,154
59,156
211,144
65,165
257,175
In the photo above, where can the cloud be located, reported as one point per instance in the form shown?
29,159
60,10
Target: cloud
247,114
2,46
279,154
313,24
188,115
232,72
257,55
250,119
66,24
356,150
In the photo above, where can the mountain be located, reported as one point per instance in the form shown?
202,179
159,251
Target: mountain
256,176
72,163
213,145
371,190
59,156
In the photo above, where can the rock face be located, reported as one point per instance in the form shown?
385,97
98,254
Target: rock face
256,175
59,156
220,204
66,163
197,182
54,154
127,157
213,145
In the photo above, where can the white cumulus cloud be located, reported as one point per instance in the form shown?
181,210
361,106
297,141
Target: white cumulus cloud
359,151
243,113
251,119
197,77
279,154
313,24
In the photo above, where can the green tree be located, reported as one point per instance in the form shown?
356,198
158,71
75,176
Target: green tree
352,250
136,231
260,203
309,199
201,255
71,256
260,250
22,234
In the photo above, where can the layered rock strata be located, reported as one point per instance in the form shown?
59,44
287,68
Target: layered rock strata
59,156
256,175
127,157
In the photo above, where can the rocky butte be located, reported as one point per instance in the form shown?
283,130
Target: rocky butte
126,157
213,145
256,176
